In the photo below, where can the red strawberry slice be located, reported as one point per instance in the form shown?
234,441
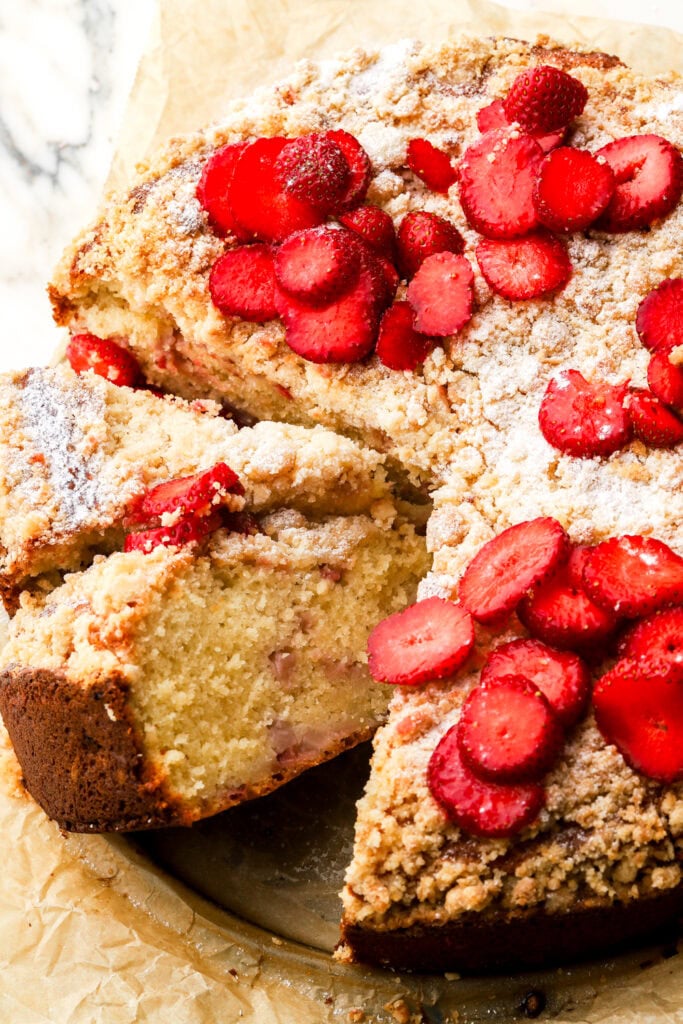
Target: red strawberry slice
524,268
391,278
544,99
634,575
360,168
431,639
659,321
576,563
652,421
422,234
262,207
666,380
572,190
639,708
197,494
318,264
242,283
185,531
508,731
105,357
441,294
496,177
582,418
483,808
658,638
493,116
562,677
399,345
314,169
648,172
374,226
563,615
431,165
507,566
213,190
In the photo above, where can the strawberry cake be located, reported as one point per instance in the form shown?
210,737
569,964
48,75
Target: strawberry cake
467,259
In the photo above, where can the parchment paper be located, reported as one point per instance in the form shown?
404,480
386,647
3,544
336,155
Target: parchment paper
89,934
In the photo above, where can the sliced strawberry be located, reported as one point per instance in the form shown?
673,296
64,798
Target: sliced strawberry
196,494
422,234
582,418
374,226
508,731
634,575
105,357
572,190
431,165
493,116
576,563
544,99
659,321
441,294
213,190
242,283
318,264
262,207
390,275
563,615
655,639
648,172
431,639
399,345
666,380
652,421
524,268
360,168
185,531
497,176
313,169
507,566
483,808
639,708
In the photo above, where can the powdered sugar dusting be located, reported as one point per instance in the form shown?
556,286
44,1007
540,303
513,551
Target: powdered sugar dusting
389,67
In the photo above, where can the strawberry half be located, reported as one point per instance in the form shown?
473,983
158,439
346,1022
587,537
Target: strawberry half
422,234
399,345
584,419
666,380
441,294
639,708
185,531
242,283
563,615
313,169
360,168
213,189
634,575
508,731
493,116
562,677
197,494
648,172
318,264
496,179
659,321
431,639
105,357
655,639
507,566
572,190
652,421
374,226
544,99
431,165
483,808
524,268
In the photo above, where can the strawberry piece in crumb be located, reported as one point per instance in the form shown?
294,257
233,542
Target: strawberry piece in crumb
390,275
104,357
374,226
648,173
399,345
313,169
508,732
564,615
633,575
507,566
524,268
656,638
561,676
544,99
483,808
213,189
497,176
441,294
493,116
576,564
242,283
360,168
584,419
639,708
422,234
666,380
318,264
431,639
185,531
572,190
659,321
652,421
197,494
431,165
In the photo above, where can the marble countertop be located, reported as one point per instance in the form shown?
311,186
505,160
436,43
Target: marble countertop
66,69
